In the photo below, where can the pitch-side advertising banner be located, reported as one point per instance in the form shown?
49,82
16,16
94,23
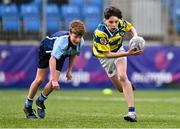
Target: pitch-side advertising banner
158,67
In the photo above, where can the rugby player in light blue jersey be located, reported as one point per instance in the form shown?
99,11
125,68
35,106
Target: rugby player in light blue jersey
53,51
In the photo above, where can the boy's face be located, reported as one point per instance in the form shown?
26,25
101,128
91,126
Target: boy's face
112,23
75,39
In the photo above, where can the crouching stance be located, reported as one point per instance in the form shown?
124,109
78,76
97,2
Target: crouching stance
53,51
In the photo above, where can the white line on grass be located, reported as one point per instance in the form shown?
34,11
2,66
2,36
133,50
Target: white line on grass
169,100
90,128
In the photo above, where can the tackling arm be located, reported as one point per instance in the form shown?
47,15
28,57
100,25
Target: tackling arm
71,62
53,73
69,71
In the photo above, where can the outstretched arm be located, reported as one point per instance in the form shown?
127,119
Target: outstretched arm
53,73
121,54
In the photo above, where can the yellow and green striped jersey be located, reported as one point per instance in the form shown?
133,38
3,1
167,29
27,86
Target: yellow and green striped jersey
105,40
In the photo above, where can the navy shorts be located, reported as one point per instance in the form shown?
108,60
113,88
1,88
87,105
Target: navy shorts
43,61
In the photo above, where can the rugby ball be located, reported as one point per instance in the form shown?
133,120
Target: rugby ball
137,43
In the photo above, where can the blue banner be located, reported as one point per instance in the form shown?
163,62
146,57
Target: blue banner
17,65
157,67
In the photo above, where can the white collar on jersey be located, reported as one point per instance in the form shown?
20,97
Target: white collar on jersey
110,31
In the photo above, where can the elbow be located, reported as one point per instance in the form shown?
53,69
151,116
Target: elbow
107,55
133,31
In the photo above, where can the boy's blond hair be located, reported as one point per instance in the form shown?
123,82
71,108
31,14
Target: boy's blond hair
77,27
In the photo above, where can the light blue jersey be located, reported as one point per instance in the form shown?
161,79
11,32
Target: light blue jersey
59,44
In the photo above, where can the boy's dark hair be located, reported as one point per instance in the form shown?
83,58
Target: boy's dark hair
77,27
112,11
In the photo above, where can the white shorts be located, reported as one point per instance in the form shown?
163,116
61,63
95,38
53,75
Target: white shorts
109,64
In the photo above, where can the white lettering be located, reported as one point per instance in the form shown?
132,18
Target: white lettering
2,77
78,77
158,77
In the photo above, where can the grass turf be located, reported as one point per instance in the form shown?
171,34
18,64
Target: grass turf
92,109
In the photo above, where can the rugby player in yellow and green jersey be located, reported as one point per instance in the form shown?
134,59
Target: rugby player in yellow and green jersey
108,48
105,40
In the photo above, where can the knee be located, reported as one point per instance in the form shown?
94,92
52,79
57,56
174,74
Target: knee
123,78
39,80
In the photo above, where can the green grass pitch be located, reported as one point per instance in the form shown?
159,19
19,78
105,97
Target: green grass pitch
92,109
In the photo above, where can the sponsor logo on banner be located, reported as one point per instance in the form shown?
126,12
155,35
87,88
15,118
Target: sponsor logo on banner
12,77
158,78
2,77
78,77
